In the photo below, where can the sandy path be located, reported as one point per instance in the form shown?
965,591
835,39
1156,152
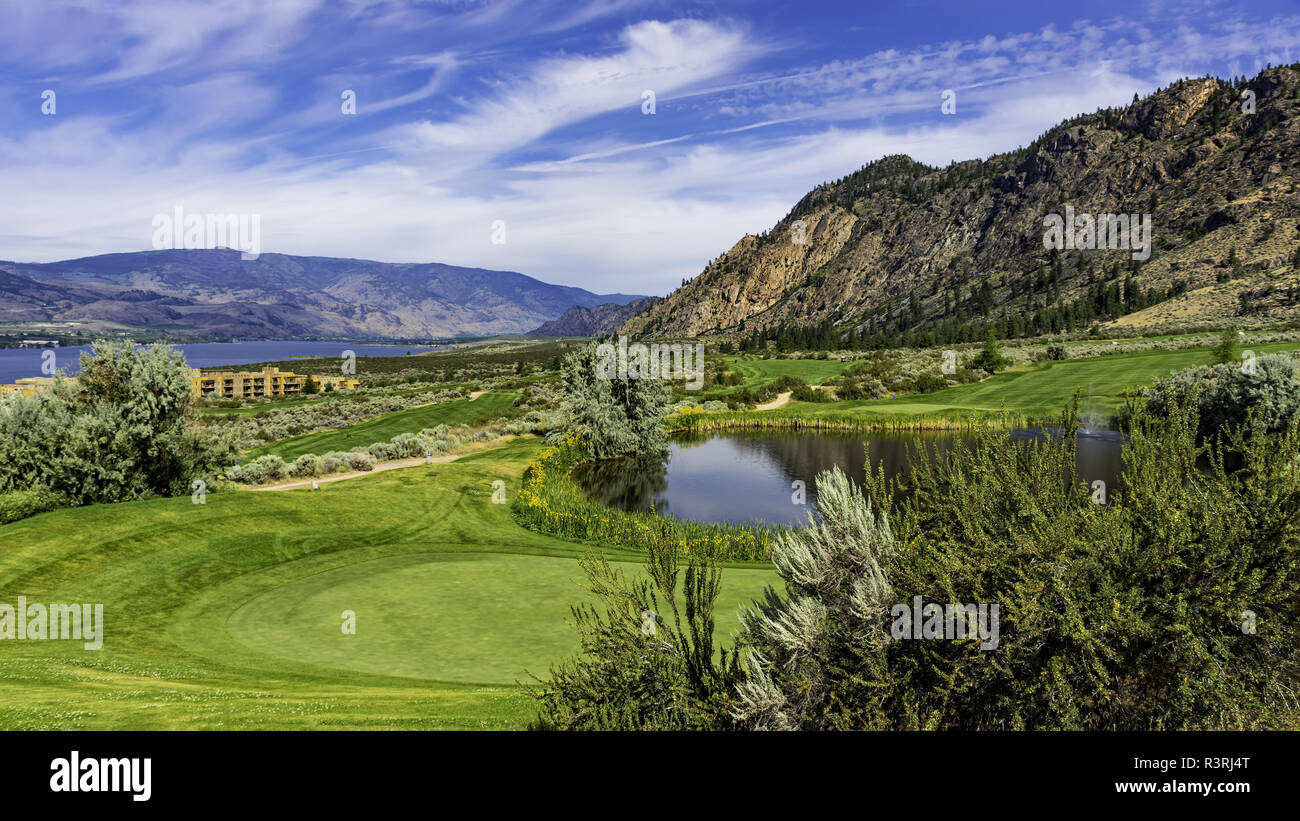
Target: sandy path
781,399
380,468
475,395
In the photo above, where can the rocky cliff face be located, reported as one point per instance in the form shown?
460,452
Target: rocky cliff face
599,320
900,247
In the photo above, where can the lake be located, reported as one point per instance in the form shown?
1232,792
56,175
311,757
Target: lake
747,476
17,363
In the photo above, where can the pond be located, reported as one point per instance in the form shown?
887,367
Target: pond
748,476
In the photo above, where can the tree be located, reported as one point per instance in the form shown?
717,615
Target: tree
1226,349
990,357
614,416
127,428
310,386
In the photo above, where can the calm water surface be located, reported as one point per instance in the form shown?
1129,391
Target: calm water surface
746,476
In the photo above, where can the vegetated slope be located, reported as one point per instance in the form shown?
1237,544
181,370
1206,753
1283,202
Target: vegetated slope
283,296
901,249
596,321
360,436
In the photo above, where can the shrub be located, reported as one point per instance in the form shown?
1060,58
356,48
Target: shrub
307,466
613,416
19,504
382,451
1057,352
1226,394
929,383
1123,616
361,461
265,469
333,462
630,676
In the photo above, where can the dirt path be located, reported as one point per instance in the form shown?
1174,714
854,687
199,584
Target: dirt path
381,467
781,399
475,395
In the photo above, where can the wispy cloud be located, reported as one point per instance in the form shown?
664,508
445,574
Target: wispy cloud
531,113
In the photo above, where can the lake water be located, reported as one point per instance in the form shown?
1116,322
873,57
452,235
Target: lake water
746,476
16,363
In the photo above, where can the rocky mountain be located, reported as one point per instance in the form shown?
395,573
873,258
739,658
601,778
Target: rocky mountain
901,250
281,296
595,321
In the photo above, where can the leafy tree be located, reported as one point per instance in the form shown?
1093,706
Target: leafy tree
1226,349
127,428
615,417
990,357
310,385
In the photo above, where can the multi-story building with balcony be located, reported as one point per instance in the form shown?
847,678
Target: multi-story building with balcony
253,384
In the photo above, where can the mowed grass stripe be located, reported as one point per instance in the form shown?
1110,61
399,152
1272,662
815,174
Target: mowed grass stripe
360,436
227,615
1041,389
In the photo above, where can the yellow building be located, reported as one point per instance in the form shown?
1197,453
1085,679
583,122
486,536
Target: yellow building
267,382
27,386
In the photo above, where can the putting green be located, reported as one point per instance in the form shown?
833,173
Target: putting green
227,614
461,617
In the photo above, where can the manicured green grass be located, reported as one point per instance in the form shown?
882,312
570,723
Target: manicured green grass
227,615
759,372
1039,390
360,436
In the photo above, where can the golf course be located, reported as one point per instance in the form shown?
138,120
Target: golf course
230,613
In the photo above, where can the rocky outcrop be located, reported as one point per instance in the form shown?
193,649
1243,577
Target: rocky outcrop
904,246
599,320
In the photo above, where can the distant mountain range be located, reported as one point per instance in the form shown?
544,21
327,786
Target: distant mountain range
597,321
215,292
900,250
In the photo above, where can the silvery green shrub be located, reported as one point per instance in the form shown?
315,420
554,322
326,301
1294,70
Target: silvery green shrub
306,466
361,461
333,462
1226,394
127,428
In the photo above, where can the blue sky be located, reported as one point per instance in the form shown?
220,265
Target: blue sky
531,113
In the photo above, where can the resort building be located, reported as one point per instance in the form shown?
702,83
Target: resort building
267,382
28,386
224,384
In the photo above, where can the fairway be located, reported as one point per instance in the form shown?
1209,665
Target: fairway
227,615
1041,389
360,436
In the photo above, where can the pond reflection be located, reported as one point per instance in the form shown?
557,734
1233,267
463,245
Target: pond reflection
749,476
